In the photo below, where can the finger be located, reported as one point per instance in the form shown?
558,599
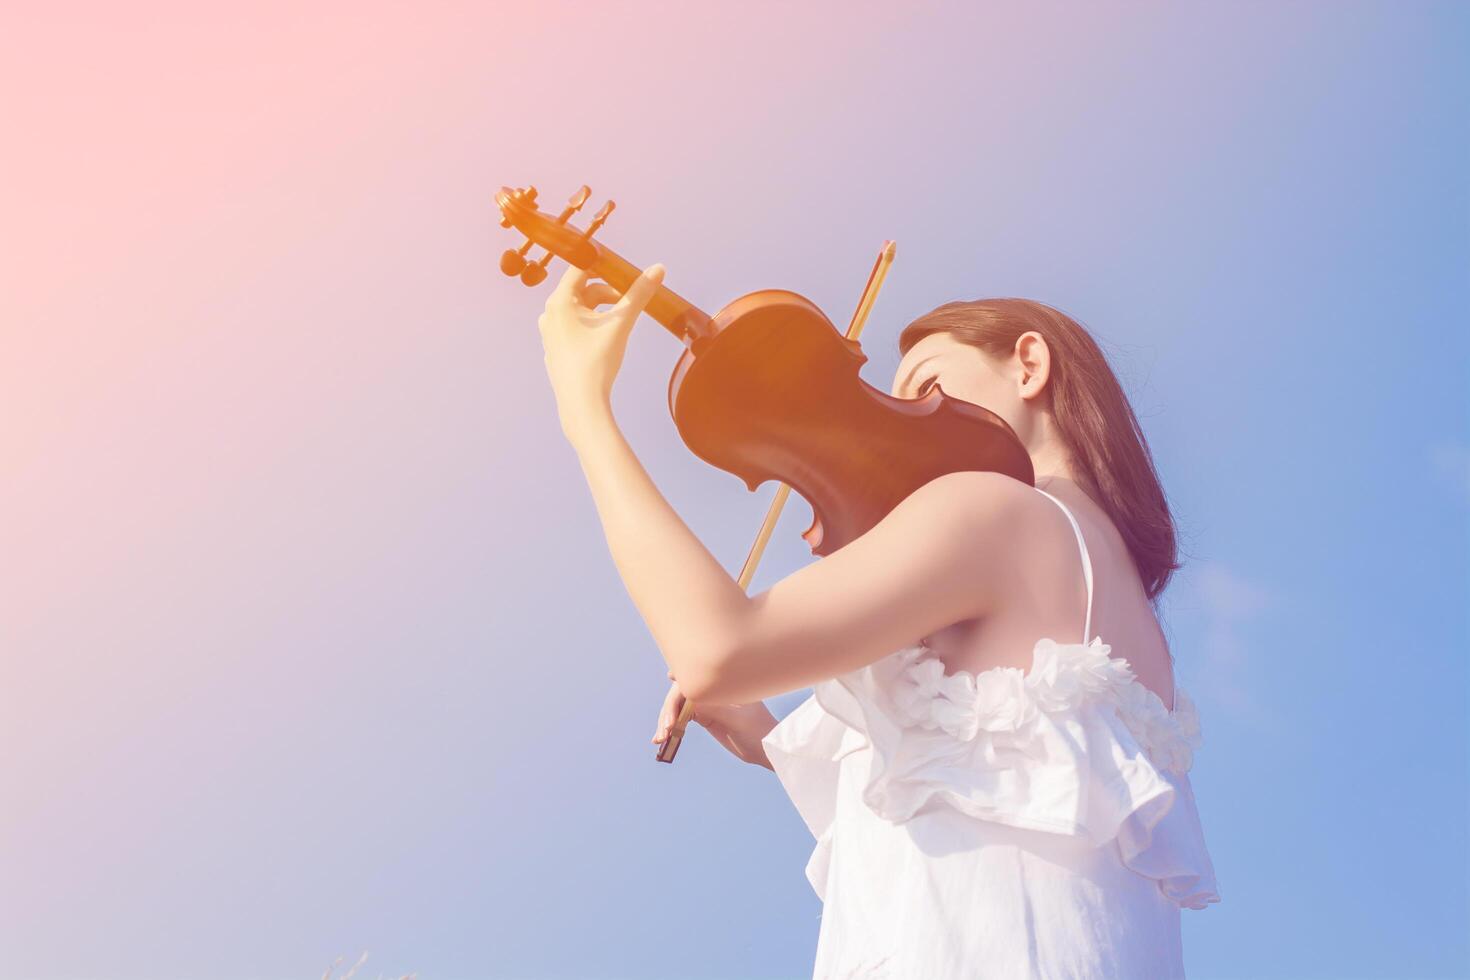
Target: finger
672,706
597,293
642,290
570,285
665,714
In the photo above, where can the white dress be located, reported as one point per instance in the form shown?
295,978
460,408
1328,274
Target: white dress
1008,824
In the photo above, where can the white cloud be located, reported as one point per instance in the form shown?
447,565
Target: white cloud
1225,667
1452,461
1227,596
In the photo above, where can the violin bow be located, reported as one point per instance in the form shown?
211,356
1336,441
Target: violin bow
669,747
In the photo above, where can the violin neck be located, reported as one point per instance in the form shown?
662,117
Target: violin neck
679,316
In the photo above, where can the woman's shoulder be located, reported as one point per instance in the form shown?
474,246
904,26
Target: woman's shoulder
980,484
992,519
966,498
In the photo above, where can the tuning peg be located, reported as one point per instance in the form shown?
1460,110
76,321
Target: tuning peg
513,261
535,273
575,204
599,218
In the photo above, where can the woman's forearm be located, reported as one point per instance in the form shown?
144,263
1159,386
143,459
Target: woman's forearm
760,724
692,606
740,728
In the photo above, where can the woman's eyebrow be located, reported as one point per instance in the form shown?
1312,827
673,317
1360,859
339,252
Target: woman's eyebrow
914,370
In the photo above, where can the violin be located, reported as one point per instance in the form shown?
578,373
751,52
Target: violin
768,389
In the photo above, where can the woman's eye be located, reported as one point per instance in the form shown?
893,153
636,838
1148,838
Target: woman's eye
924,388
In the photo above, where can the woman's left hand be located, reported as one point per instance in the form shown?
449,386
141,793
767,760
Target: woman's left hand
584,346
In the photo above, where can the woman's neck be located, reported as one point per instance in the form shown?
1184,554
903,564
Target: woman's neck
1051,464
1050,459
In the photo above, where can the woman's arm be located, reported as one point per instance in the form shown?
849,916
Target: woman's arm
931,562
691,604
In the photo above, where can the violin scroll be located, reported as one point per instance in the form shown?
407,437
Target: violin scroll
518,208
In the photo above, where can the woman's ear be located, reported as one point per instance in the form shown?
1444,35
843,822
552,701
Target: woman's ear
1034,358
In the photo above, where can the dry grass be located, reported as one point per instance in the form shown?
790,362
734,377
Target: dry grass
360,962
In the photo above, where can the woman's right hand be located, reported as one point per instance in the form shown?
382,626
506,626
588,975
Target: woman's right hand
738,727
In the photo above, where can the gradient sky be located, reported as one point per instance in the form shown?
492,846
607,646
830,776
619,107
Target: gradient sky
311,640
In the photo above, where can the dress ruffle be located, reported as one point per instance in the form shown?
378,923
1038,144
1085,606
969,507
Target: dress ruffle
1076,746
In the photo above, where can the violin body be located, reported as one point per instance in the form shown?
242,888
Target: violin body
773,392
769,389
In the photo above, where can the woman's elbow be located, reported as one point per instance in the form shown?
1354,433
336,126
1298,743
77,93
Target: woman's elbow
699,678
713,681
735,678
697,686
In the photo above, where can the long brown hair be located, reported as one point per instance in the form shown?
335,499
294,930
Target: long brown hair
1109,454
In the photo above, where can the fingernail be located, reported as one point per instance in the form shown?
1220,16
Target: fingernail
657,269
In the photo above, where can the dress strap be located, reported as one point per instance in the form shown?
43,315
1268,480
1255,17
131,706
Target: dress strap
1086,561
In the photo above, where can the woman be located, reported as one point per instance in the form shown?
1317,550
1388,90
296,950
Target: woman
1003,798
